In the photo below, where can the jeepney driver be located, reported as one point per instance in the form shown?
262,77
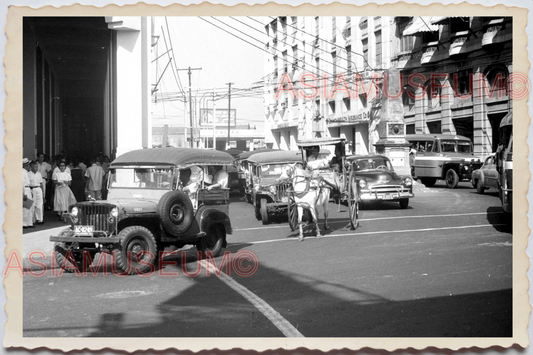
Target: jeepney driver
315,161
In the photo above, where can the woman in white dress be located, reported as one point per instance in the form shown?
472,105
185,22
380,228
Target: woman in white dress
63,196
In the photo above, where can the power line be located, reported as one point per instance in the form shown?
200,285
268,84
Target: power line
321,39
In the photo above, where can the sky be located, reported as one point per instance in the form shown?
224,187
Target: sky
223,58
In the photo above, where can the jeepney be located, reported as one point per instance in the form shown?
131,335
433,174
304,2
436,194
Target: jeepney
147,210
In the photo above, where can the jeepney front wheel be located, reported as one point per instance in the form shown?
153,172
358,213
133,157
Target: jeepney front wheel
72,259
264,211
213,241
137,251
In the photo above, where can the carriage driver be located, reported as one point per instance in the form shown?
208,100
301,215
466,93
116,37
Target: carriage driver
314,161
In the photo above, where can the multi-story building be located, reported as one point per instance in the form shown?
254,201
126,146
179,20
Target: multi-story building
317,78
326,76
455,71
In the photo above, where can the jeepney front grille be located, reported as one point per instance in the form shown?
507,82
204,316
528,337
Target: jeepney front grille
281,191
98,216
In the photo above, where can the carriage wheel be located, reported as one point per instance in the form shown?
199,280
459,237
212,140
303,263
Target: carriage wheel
292,212
353,202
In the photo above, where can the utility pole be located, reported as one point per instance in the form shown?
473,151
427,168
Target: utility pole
214,121
229,113
189,71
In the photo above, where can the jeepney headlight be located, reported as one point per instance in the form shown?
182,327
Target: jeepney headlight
362,183
408,182
114,212
273,189
74,211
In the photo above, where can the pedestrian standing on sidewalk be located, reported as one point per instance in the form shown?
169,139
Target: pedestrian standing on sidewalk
27,213
46,174
78,181
94,177
412,159
36,186
63,196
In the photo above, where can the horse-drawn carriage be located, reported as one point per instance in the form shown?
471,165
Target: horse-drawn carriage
331,178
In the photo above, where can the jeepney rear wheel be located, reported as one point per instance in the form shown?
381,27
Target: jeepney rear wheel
176,212
292,214
137,250
452,179
264,212
212,242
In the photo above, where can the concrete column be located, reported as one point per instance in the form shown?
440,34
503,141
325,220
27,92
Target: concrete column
482,128
131,71
446,122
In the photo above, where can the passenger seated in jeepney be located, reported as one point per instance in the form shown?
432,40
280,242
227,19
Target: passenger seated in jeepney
187,185
216,178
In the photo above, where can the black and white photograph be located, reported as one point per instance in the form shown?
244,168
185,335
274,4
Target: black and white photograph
337,173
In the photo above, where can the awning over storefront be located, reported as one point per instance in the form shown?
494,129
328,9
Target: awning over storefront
420,25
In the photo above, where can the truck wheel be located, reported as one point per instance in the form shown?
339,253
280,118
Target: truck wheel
428,182
212,242
176,212
264,211
137,250
452,179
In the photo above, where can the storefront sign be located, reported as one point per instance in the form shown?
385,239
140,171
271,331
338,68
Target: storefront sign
362,116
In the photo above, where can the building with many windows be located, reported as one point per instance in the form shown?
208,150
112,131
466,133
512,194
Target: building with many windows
332,76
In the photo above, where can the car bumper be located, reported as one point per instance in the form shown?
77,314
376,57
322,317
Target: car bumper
385,196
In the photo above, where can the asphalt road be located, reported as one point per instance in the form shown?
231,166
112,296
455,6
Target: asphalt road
441,268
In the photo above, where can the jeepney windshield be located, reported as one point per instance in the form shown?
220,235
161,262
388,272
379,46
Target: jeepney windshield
452,146
271,169
141,178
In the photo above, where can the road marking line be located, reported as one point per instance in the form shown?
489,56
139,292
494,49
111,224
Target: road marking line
277,319
383,218
377,232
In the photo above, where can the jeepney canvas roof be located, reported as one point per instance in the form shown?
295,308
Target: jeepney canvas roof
320,141
172,157
273,157
248,154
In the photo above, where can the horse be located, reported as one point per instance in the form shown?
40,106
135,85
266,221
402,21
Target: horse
309,192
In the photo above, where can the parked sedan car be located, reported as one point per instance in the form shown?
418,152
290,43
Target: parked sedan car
377,180
487,176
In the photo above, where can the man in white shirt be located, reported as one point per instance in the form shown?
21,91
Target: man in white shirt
220,180
27,213
315,161
36,186
94,178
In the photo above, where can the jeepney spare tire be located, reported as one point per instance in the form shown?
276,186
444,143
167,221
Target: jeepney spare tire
176,212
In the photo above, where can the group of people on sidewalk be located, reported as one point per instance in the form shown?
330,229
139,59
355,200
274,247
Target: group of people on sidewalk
59,185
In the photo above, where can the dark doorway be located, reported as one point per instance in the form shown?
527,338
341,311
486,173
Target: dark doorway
465,127
495,120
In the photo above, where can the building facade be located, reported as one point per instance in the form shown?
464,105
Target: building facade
86,85
330,76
